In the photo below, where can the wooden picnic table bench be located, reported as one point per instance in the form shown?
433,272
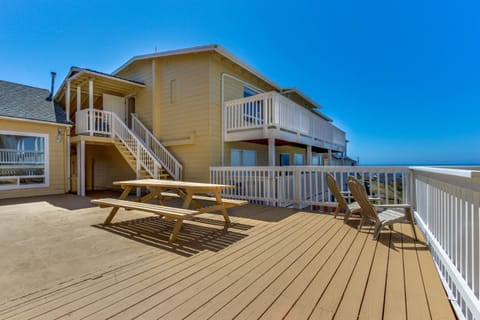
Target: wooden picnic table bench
227,203
177,214
190,192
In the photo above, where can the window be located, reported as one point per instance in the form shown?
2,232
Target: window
315,160
252,110
243,158
23,160
298,159
284,159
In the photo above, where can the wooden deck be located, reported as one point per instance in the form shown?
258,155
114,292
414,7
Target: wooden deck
304,266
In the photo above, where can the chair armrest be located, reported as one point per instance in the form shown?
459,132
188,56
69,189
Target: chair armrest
394,205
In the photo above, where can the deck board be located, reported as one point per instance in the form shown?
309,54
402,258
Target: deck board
394,306
303,266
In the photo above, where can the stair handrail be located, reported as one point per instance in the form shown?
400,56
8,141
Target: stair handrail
165,157
137,149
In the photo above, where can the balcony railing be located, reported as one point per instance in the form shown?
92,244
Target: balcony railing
268,112
446,203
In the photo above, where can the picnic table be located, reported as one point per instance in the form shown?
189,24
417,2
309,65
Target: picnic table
194,194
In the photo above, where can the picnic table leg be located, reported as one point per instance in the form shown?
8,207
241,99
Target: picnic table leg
176,230
114,210
187,200
224,210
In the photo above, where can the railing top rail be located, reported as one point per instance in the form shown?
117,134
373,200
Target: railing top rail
171,157
457,172
137,141
321,168
256,97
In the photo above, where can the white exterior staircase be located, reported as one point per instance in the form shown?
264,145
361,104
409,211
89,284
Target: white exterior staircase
140,149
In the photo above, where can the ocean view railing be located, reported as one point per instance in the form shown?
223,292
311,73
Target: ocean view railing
446,205
303,186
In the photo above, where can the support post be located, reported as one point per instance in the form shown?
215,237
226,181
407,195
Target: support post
271,152
79,99
67,142
79,193
309,155
329,157
90,105
82,167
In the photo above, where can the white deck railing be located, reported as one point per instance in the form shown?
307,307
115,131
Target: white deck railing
168,161
446,202
306,186
448,212
271,110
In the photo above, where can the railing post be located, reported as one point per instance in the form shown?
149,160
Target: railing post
138,167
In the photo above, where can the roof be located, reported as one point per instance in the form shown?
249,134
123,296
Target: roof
104,82
76,71
212,47
25,102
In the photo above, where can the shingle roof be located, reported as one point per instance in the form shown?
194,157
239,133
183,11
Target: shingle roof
25,102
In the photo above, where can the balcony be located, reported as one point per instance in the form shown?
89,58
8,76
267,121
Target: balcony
271,115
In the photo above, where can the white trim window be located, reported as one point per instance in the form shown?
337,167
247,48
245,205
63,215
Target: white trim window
23,160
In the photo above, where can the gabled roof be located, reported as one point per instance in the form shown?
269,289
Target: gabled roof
76,71
25,102
103,82
212,47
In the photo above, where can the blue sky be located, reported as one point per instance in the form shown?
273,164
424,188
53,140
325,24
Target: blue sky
402,78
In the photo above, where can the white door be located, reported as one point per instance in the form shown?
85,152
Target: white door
115,104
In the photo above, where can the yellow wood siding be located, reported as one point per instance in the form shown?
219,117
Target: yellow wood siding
104,165
186,114
142,71
56,158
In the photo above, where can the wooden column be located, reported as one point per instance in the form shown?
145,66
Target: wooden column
90,105
67,142
79,99
271,152
81,168
309,155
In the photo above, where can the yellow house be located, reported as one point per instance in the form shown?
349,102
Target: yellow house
33,144
176,113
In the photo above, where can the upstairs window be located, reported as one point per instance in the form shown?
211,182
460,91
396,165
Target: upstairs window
23,160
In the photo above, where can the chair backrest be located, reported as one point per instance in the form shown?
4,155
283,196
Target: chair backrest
360,195
332,185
